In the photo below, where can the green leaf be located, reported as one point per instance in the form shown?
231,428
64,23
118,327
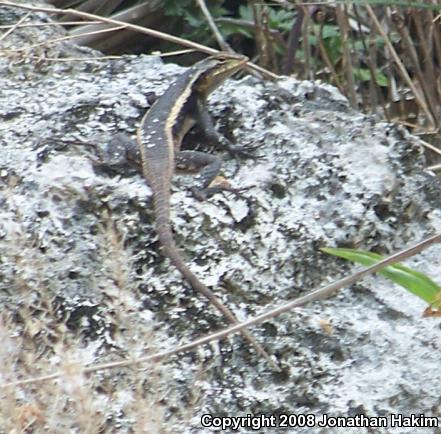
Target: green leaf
417,283
364,74
331,31
232,28
382,79
246,13
281,19
332,42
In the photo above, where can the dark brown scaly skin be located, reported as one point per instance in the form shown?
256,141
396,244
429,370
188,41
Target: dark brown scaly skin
159,137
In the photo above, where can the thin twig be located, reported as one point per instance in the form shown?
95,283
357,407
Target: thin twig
370,59
176,52
217,34
261,40
15,26
270,41
429,146
413,56
326,59
316,295
426,31
135,28
434,168
73,59
343,24
66,38
293,41
262,70
401,67
65,23
309,68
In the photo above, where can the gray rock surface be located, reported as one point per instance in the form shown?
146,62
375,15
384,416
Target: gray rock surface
82,277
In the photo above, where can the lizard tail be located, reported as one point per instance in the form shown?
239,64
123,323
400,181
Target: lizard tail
165,234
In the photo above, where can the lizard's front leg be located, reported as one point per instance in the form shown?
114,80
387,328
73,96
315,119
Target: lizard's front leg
206,124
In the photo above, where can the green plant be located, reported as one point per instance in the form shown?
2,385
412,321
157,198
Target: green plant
414,281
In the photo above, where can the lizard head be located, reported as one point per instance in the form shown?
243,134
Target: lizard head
214,70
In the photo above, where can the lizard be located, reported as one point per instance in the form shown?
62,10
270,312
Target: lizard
159,138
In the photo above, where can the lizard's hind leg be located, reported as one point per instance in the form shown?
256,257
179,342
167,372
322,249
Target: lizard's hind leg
207,166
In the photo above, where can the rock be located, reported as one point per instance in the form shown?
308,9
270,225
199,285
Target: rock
82,276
